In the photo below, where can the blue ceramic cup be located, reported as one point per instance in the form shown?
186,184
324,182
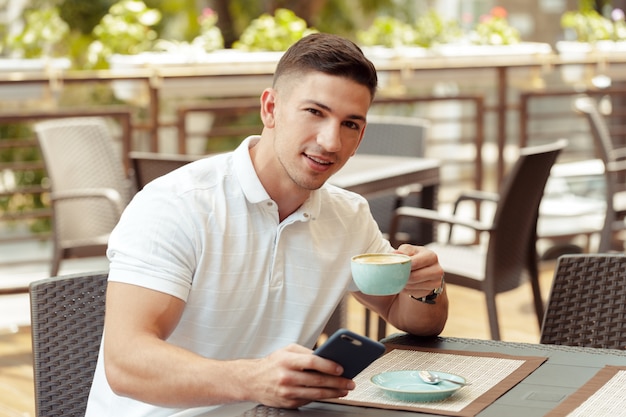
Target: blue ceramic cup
380,273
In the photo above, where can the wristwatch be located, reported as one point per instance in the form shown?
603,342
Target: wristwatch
430,298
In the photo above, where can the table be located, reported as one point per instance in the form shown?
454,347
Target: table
566,369
369,174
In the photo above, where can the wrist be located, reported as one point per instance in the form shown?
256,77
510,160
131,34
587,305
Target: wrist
430,298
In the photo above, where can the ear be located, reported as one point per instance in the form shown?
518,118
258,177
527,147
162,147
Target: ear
268,106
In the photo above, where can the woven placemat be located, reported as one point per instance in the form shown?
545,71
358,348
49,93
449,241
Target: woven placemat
491,375
602,395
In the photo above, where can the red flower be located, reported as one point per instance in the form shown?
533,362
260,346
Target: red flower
499,12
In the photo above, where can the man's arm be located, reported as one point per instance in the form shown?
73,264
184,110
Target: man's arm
139,363
406,313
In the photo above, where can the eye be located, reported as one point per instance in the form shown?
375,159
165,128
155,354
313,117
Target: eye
314,111
352,125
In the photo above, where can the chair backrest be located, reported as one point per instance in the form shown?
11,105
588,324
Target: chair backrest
67,319
608,153
148,166
598,126
79,154
394,136
587,304
512,248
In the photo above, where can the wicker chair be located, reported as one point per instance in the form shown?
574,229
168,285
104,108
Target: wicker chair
614,159
67,316
587,305
88,183
510,254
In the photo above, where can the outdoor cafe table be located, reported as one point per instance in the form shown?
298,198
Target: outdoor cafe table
549,386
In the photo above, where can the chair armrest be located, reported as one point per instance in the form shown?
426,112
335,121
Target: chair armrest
435,216
478,196
619,153
109,194
616,166
405,191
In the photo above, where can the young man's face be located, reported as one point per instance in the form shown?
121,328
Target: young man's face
318,123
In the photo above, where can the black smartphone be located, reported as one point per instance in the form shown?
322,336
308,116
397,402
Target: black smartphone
350,350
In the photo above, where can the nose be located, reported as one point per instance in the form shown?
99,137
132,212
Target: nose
329,137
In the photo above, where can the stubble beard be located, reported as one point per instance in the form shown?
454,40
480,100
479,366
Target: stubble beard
301,179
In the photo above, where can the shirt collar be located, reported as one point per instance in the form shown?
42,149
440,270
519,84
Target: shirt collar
247,176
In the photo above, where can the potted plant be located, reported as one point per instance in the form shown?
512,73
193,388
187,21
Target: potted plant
389,37
587,26
587,33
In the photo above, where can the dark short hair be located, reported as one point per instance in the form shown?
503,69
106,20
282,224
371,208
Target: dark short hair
330,54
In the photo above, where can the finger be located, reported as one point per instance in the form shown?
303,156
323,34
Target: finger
297,388
300,396
426,277
421,257
315,386
323,365
295,348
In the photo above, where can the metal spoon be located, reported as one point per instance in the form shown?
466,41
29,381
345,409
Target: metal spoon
430,378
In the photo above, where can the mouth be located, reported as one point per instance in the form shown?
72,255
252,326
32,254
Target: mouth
319,162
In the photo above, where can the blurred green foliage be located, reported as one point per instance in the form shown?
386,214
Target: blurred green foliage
389,32
595,20
82,15
22,202
273,32
589,25
429,29
43,34
125,29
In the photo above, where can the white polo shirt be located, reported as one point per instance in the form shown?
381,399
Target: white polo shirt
209,234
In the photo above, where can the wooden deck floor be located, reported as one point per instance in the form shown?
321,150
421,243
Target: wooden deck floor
468,318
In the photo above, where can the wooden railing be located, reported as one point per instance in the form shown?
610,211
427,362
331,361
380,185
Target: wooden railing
548,115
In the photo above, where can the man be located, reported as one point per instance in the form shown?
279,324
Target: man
224,272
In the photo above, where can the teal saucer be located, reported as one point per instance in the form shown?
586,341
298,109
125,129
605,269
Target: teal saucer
408,386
